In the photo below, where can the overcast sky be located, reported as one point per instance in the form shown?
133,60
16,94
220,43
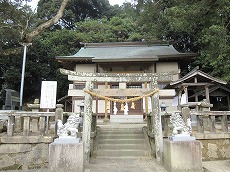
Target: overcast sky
112,2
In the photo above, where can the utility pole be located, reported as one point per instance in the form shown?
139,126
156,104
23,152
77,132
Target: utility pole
23,73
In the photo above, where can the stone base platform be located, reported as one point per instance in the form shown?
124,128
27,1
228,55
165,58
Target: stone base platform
126,118
180,156
66,156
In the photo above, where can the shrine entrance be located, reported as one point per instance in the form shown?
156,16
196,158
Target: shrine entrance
127,96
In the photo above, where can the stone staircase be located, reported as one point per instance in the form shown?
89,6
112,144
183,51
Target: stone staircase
121,142
122,148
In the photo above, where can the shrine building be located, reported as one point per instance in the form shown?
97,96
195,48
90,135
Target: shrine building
125,58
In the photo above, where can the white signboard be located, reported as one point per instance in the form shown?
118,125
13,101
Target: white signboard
48,94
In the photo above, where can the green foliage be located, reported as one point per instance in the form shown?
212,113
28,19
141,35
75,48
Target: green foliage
76,10
215,51
105,30
197,26
14,21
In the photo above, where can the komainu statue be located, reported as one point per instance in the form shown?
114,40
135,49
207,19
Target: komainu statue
179,125
70,128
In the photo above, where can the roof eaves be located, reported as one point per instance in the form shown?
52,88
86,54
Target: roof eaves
125,59
192,55
194,72
211,77
75,58
123,44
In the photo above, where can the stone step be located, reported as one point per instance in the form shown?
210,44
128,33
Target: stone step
121,153
121,136
122,146
121,141
121,132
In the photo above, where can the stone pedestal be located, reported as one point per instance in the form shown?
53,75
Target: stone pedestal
180,156
66,155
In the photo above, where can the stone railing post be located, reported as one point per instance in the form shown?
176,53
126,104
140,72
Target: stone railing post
224,123
34,121
26,125
10,125
94,122
149,123
59,112
58,115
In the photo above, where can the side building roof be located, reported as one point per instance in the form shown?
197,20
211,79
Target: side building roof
201,77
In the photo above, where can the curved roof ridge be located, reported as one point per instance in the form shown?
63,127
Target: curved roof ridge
196,71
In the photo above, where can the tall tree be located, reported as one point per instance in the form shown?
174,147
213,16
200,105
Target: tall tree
198,26
16,18
76,10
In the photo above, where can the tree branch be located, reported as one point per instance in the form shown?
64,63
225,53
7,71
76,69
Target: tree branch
42,27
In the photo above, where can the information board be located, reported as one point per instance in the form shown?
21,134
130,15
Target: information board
48,94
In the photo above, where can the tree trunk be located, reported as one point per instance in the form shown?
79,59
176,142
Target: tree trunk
42,27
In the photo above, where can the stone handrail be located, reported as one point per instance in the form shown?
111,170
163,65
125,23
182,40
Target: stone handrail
210,117
206,125
20,120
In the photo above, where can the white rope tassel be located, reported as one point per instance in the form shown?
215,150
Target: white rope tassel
114,108
126,109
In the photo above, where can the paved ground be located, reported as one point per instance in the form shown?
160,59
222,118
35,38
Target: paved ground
124,165
146,165
216,166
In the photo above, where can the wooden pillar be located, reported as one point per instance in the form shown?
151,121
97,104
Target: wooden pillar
196,95
146,103
106,106
207,94
196,100
179,99
228,102
157,126
186,93
87,121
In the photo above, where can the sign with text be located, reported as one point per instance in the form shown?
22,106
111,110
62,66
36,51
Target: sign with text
48,94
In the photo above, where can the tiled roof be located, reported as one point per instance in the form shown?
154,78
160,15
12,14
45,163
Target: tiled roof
100,52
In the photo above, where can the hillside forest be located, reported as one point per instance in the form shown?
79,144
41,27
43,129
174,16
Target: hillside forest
201,27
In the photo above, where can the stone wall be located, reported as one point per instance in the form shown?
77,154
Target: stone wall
212,149
215,149
23,156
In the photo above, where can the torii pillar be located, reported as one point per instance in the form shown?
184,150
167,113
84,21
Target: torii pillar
87,121
157,126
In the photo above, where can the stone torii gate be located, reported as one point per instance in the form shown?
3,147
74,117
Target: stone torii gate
151,78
